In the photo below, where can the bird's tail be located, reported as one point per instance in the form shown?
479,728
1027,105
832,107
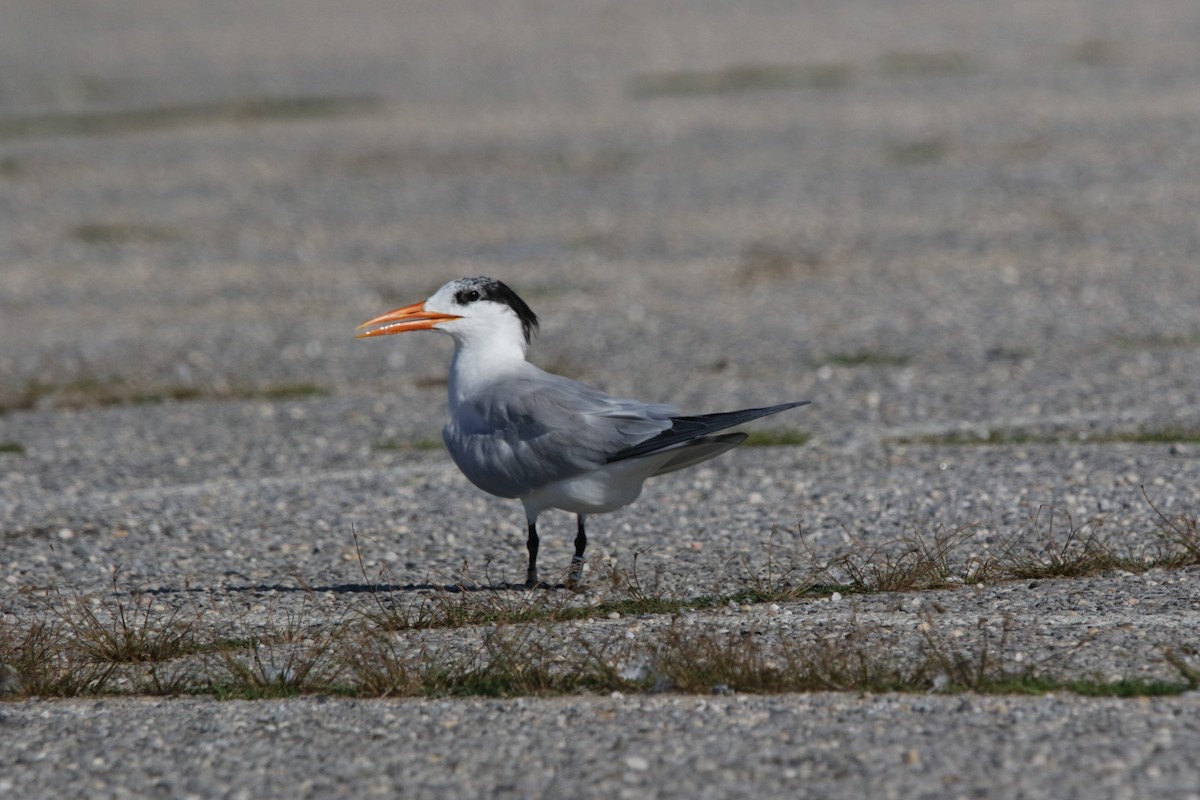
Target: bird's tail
701,449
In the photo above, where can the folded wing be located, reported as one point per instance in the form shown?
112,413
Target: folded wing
534,428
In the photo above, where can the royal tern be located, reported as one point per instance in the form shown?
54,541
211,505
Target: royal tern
517,431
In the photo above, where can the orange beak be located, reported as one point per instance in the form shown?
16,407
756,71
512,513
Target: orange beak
400,320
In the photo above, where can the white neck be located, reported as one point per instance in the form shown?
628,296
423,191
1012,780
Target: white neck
480,361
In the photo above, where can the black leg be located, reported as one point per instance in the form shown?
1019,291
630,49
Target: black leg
531,576
580,538
576,573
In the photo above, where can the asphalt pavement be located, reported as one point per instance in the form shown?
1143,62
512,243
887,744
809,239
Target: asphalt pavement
967,233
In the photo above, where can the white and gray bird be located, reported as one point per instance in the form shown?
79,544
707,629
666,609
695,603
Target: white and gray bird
517,431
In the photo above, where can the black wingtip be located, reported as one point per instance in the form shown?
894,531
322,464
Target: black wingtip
684,429
768,410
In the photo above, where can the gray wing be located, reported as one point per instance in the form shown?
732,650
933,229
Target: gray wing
532,428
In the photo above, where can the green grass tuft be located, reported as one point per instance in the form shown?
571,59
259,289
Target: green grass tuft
102,392
1002,436
1095,53
777,438
1125,687
867,358
911,62
247,111
123,233
929,150
743,78
404,446
281,391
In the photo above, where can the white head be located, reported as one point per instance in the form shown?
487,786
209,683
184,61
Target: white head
469,309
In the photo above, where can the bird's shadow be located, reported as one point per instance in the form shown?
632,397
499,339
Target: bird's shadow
353,588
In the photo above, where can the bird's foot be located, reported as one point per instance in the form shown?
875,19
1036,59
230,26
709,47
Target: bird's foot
575,576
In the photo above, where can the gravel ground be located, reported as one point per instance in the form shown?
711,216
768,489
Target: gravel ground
820,745
938,222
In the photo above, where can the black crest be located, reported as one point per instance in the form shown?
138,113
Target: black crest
472,290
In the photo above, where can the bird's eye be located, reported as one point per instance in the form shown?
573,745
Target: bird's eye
469,296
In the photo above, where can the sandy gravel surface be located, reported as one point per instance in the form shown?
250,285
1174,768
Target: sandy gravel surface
939,222
814,745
